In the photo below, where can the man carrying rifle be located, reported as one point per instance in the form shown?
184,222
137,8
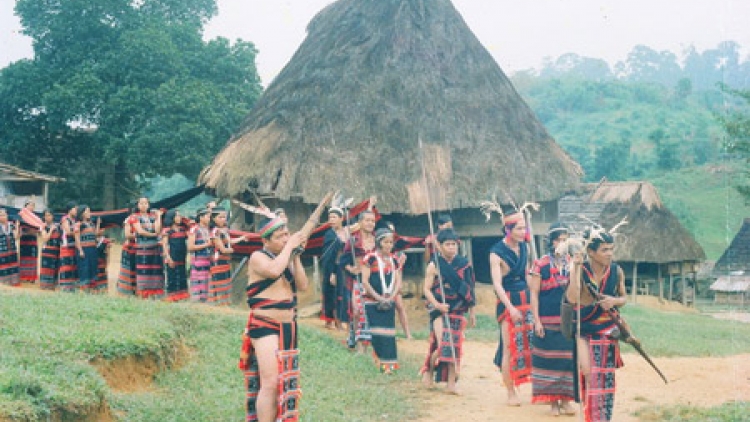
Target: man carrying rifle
596,287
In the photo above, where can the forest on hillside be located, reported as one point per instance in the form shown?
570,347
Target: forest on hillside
655,117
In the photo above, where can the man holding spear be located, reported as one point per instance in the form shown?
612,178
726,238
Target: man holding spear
449,289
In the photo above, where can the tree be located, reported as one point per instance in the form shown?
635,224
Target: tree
644,64
667,154
119,89
611,160
737,126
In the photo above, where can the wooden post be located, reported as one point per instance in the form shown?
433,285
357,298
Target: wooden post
635,281
661,285
671,286
468,250
683,283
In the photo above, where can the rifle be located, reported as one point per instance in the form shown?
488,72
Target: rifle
626,334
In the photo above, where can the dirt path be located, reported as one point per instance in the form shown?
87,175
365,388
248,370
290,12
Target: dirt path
694,381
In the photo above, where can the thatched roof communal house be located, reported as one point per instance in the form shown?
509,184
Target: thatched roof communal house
652,248
370,81
732,270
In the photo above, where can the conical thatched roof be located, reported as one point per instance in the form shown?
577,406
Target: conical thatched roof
369,81
737,256
653,234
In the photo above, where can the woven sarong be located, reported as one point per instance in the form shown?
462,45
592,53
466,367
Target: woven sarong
287,409
126,278
449,353
149,270
88,265
382,326
50,266
220,286
9,266
553,366
519,334
362,327
599,388
29,249
177,285
68,268
199,277
102,277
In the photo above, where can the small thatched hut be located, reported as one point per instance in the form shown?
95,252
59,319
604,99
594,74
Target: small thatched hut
737,256
732,270
651,245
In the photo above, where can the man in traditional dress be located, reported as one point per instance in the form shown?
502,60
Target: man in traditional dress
269,350
596,287
443,222
509,266
447,306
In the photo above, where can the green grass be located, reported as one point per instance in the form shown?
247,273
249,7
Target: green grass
728,412
47,342
665,334
670,334
705,201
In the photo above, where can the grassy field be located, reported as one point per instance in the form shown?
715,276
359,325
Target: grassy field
49,340
729,412
663,334
704,200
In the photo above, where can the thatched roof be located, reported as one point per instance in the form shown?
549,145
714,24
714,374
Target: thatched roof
12,172
732,284
653,234
737,256
369,81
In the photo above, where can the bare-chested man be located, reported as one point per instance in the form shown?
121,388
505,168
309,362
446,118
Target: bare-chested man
275,273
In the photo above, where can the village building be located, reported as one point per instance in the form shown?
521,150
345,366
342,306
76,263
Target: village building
659,256
732,270
18,185
401,101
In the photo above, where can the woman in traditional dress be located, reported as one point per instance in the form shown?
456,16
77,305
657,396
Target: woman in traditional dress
220,286
200,245
126,278
335,303
149,267
174,247
381,280
51,238
509,266
552,353
85,239
29,249
8,251
68,268
360,244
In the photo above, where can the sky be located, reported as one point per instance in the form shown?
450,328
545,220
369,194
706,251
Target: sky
519,34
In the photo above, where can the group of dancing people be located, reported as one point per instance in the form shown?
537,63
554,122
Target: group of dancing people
363,274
